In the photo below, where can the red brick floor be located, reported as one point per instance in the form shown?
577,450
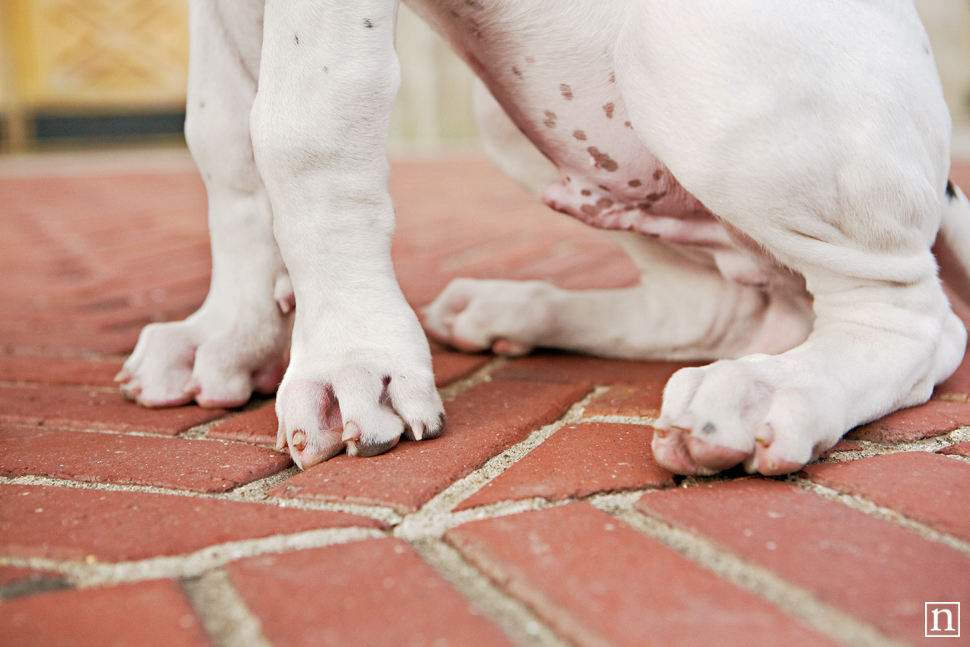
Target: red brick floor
538,518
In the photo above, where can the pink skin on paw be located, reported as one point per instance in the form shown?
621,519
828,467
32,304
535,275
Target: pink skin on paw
267,380
764,461
714,457
306,451
670,451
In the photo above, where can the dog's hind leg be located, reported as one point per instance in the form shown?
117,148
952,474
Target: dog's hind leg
680,309
953,242
236,342
819,131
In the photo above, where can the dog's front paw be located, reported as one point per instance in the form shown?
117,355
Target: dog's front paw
214,357
506,317
759,411
364,404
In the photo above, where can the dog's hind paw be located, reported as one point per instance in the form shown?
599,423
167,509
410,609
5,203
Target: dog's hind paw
506,317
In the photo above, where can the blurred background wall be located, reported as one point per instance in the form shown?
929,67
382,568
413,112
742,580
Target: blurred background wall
108,72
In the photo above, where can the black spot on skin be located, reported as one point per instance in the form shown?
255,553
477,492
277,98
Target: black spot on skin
658,174
580,135
566,91
628,124
326,70
569,179
709,428
516,71
602,160
474,5
629,207
589,210
612,77
608,109
368,23
550,120
644,206
634,183
604,203
586,192
605,188
655,196
296,39
951,193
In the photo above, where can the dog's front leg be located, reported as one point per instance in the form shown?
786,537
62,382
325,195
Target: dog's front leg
360,370
236,342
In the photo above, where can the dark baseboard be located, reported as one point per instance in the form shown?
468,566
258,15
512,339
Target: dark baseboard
51,127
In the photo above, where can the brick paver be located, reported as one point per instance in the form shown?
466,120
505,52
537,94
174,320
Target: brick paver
873,569
88,257
597,581
637,401
932,489
79,524
368,594
960,449
577,461
196,465
154,614
58,370
925,421
482,422
81,408
577,369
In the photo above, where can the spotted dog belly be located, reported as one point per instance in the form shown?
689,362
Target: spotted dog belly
549,63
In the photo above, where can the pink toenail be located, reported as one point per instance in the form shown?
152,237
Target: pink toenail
299,440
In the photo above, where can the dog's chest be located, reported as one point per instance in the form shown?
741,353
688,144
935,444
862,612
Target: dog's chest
550,64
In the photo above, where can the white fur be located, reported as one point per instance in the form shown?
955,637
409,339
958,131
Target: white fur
777,172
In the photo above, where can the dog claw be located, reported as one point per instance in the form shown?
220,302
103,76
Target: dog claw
298,441
351,432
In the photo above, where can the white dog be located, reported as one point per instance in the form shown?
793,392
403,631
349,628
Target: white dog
778,170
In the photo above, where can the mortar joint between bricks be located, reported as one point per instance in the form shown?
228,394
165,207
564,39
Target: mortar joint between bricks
795,601
515,618
91,572
436,517
872,448
871,509
224,614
